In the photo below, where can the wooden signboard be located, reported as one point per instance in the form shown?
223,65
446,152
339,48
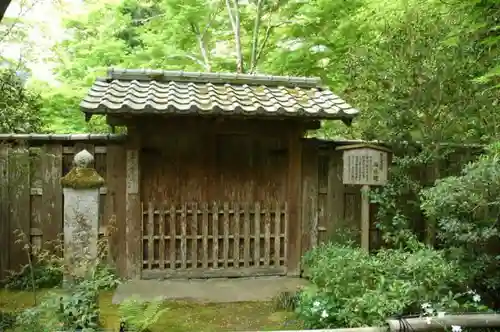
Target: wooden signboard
365,165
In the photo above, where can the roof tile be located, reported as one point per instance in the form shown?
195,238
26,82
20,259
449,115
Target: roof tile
148,91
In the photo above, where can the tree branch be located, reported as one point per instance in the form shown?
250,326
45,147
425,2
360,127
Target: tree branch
234,17
202,46
17,19
211,18
269,30
189,56
255,37
256,51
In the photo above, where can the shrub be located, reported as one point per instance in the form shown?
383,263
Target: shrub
467,209
7,320
75,307
352,288
46,275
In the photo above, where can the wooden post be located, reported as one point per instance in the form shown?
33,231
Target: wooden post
310,213
5,231
19,202
52,202
365,217
133,216
335,195
133,229
294,207
114,209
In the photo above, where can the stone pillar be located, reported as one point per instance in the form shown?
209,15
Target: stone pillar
81,214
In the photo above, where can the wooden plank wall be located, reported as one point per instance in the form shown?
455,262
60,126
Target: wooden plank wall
330,210
33,203
31,198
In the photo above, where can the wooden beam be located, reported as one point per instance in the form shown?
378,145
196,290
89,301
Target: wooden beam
5,232
114,209
310,213
133,228
336,193
52,196
213,272
20,212
294,235
365,217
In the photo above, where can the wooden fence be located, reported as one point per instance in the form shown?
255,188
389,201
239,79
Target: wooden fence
214,239
31,200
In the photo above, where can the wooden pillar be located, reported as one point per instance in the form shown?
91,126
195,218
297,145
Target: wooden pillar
294,236
114,209
133,207
310,208
19,202
365,217
52,196
5,233
335,197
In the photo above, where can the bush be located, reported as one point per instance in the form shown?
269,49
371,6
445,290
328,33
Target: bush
70,309
46,275
467,209
352,288
19,106
7,320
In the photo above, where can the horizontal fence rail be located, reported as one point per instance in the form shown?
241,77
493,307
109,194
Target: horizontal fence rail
63,137
214,239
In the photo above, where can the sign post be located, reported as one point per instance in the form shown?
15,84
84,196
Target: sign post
365,165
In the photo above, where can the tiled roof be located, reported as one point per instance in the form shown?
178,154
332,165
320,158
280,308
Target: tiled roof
135,91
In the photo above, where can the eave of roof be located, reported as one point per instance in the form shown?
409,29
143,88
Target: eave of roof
143,91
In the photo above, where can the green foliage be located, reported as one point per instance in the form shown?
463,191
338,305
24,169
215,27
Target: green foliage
7,320
19,106
74,307
45,276
352,288
467,208
415,80
139,315
61,111
287,300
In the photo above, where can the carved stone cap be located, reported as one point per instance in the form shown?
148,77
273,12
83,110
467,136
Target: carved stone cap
81,175
83,159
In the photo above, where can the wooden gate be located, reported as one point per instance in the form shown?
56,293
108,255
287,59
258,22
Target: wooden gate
200,240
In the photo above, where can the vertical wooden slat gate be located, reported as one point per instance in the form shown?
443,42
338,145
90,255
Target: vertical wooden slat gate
200,240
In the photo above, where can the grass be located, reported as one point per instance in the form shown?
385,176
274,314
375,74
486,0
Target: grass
185,316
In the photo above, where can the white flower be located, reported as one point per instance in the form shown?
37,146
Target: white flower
426,305
441,314
316,304
456,328
476,298
428,320
324,314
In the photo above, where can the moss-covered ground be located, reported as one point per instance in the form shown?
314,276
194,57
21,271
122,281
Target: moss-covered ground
185,316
